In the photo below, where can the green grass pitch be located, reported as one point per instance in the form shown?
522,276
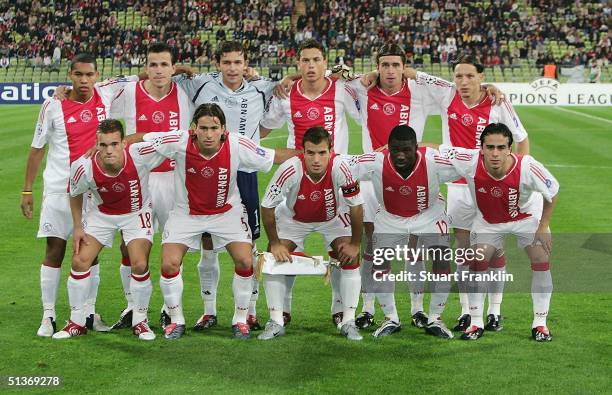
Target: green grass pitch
574,142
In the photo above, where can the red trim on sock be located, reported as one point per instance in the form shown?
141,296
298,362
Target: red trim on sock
125,261
297,253
244,272
170,275
368,257
540,267
479,266
141,277
80,276
350,267
498,262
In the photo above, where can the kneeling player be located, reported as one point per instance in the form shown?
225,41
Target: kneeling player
503,184
303,198
406,181
208,201
118,179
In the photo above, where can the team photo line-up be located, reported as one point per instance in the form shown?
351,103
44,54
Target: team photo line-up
185,164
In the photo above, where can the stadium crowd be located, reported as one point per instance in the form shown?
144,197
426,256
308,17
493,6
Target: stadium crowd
428,30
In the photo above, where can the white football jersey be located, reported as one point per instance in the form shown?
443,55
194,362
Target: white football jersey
124,193
143,113
327,110
243,108
462,125
508,198
69,128
381,112
307,201
208,186
406,197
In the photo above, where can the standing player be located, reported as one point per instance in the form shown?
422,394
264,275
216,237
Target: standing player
466,110
118,179
501,184
394,100
406,181
69,128
155,104
243,102
303,198
208,159
314,100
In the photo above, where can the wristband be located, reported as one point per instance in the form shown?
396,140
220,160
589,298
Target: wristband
26,192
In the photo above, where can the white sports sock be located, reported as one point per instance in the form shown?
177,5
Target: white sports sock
172,290
79,284
350,282
208,268
49,283
255,289
274,285
437,300
141,290
336,305
125,272
93,290
366,280
289,282
462,288
387,304
241,288
417,287
541,292
495,292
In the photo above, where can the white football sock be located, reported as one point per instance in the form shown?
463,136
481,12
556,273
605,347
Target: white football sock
336,306
366,280
255,289
350,283
495,291
172,290
463,288
49,283
541,292
274,285
438,297
125,272
289,282
241,288
208,268
93,290
476,298
387,304
417,287
79,284
141,290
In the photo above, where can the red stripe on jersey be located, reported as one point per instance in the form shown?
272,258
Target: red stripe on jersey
385,112
247,142
166,140
77,174
346,172
247,146
81,122
284,176
538,172
44,112
146,150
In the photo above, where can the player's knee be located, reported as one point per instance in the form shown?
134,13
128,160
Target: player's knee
139,266
54,252
170,264
244,262
80,264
